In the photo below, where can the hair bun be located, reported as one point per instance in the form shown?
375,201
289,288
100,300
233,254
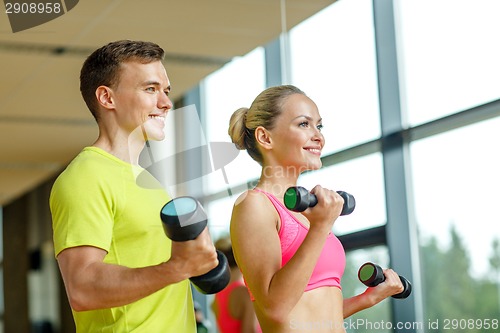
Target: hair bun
237,129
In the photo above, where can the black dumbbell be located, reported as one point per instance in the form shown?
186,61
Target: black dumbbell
298,199
371,275
184,219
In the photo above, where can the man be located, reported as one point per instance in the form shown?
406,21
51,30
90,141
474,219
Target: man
121,273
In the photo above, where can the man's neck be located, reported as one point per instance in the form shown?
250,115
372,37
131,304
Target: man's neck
125,150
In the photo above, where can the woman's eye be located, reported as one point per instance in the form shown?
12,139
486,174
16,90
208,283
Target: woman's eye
319,127
304,124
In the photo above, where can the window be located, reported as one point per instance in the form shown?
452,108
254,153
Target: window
363,178
220,216
333,62
456,182
234,86
448,56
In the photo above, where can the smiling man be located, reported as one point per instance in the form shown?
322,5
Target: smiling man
121,273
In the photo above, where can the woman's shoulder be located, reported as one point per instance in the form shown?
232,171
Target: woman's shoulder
254,205
251,199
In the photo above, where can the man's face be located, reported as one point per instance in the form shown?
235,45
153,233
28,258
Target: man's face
141,98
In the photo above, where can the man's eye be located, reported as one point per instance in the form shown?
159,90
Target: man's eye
152,89
319,127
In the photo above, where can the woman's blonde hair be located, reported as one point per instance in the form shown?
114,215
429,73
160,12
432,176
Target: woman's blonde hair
264,110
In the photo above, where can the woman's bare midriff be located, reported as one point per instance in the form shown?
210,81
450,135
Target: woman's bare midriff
318,311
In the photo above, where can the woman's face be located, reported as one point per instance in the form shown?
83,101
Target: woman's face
296,138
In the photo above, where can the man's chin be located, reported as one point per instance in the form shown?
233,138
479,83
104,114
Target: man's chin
156,137
155,134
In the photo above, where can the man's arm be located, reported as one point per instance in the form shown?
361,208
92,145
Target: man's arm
92,284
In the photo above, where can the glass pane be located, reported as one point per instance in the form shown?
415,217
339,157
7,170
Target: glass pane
456,180
219,216
233,86
450,56
333,62
377,318
361,177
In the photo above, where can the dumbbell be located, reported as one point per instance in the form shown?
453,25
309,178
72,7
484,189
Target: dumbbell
371,275
298,199
184,219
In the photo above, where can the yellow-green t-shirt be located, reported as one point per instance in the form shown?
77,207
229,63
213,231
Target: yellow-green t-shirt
97,202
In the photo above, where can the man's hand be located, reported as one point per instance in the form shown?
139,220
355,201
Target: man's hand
194,257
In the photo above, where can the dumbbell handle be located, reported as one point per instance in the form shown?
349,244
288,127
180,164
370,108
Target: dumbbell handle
184,219
371,275
298,199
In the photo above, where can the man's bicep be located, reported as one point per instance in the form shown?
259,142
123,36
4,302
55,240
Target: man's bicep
74,261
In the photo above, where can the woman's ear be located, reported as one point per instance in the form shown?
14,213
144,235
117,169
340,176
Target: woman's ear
263,137
104,97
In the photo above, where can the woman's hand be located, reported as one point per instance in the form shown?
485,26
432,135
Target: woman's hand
327,210
391,286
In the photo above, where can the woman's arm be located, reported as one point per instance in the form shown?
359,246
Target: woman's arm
374,295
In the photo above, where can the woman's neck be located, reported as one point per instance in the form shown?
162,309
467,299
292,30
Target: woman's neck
276,180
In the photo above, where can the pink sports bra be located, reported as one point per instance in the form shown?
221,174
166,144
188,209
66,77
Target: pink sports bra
331,263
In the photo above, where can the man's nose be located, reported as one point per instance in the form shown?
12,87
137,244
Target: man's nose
164,102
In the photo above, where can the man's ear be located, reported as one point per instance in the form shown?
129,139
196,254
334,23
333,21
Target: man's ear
104,97
263,137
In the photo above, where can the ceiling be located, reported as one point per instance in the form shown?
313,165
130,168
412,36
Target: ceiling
43,120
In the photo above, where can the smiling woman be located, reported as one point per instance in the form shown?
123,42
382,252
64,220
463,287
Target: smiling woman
292,263
298,131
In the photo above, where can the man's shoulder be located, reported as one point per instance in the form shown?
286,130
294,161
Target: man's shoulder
90,161
87,168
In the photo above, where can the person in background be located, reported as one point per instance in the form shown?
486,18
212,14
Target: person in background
232,306
120,271
292,263
202,323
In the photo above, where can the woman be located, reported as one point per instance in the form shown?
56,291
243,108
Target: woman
232,306
291,262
